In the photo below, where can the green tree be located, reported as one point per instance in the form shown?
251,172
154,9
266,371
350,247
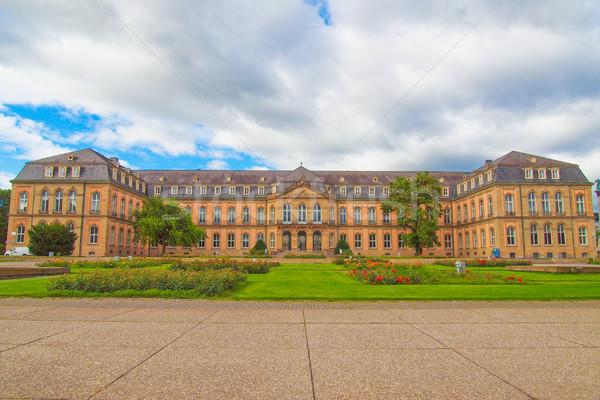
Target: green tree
343,246
165,224
5,200
259,248
416,201
55,238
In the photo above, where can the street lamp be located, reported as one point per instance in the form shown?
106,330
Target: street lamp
13,234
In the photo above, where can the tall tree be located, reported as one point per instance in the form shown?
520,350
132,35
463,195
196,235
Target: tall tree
55,238
4,207
165,224
417,203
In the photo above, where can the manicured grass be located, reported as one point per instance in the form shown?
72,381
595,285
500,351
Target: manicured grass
331,282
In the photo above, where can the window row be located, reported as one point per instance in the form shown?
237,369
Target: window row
62,171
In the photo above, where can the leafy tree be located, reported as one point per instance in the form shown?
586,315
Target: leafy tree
416,201
165,224
5,200
55,238
344,246
259,248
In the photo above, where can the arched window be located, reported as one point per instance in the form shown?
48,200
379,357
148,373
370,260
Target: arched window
357,215
533,231
58,201
111,238
560,234
316,217
343,216
287,214
260,215
272,214
44,202
201,215
532,201
217,215
301,214
547,234
558,199
545,203
508,204
71,226
580,204
492,237
95,204
72,202
372,215
20,234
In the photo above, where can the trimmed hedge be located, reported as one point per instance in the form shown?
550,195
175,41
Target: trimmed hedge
248,267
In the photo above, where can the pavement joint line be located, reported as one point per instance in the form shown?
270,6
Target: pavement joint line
84,323
454,350
312,380
9,317
151,355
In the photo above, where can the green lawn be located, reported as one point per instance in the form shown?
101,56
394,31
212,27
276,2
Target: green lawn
331,282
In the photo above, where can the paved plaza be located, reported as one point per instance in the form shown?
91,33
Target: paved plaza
201,349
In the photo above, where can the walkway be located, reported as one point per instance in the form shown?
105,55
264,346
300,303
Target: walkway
200,349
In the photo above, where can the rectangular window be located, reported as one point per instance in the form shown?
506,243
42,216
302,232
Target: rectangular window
372,216
246,190
272,240
188,190
93,235
246,215
483,244
174,189
332,240
460,241
582,236
342,215
448,241
231,215
372,241
75,172
510,237
203,190
387,241
492,238
261,190
357,241
217,190
130,182
371,191
386,218
386,191
260,216
230,240
528,173
245,241
357,215
343,191
202,215
156,190
62,172
555,173
467,240
216,242
357,191
445,192
201,243
232,190
401,242
542,173
508,204
474,239
49,172
216,215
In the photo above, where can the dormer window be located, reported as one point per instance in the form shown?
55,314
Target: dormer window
174,189
489,176
261,190
357,191
458,189
342,179
161,178
62,172
217,190
246,190
328,188
343,191
114,174
371,191
473,183
232,190
203,190
49,172
480,178
195,179
70,157
542,173
262,178
528,173
122,178
441,180
188,190
555,173
76,172
375,179
228,179
274,189
143,187
137,185
130,182
446,191
386,191
156,190
465,188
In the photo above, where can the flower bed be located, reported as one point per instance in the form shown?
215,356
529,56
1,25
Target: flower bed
383,272
294,255
484,263
248,267
209,282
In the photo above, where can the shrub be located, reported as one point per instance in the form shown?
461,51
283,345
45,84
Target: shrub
259,248
343,246
125,263
293,255
209,282
56,238
248,267
484,263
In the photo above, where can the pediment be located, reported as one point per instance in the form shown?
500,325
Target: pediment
302,192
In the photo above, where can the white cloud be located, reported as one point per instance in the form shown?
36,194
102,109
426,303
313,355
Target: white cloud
271,81
26,139
5,178
217,164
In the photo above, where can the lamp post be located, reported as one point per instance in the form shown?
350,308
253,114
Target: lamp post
595,236
13,234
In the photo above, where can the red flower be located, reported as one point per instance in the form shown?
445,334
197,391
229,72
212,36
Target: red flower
469,278
467,271
520,279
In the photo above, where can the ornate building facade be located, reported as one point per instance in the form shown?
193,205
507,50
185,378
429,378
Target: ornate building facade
524,206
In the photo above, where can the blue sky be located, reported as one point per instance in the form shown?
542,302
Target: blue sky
342,84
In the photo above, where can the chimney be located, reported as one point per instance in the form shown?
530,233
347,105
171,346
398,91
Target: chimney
115,161
488,161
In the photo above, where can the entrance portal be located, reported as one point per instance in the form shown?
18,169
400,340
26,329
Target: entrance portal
317,241
287,241
301,241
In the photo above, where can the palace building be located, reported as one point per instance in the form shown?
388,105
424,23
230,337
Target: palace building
523,205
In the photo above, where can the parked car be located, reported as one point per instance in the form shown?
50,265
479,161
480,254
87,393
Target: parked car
18,251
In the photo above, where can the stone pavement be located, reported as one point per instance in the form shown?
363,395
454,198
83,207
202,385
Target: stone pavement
202,349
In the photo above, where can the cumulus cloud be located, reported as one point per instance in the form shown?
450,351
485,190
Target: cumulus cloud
339,84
